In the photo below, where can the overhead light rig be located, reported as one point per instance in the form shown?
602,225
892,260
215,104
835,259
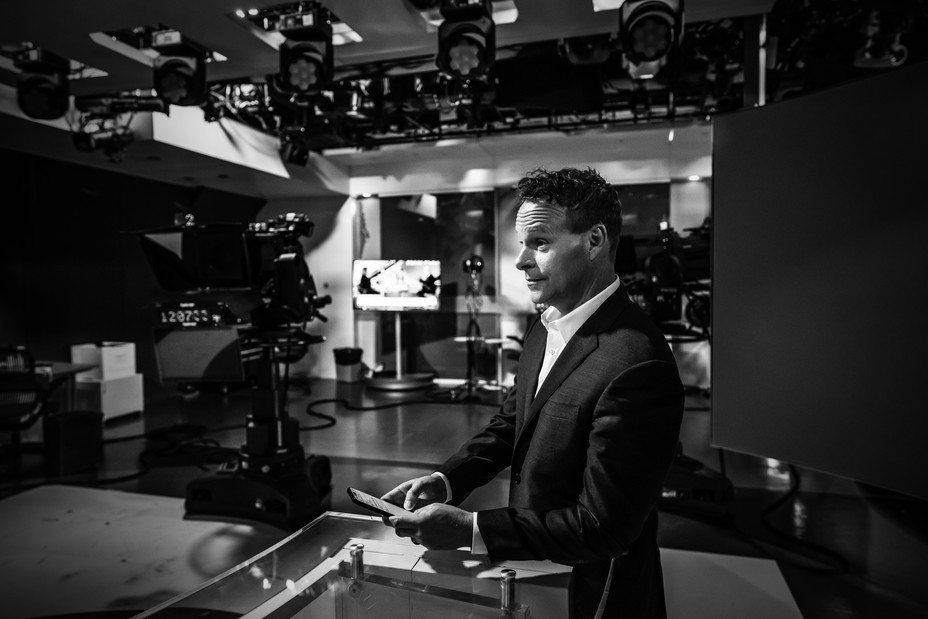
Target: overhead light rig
179,63
104,122
649,30
179,70
307,59
466,39
43,79
42,89
572,84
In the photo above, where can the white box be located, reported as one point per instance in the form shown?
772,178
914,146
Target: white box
112,396
113,359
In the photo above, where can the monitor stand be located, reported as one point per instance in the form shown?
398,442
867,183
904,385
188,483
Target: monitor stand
401,382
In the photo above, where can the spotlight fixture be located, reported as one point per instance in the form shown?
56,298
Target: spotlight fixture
648,31
42,84
586,50
466,38
307,60
179,70
112,140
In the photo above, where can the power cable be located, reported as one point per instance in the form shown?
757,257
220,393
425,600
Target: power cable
834,562
841,565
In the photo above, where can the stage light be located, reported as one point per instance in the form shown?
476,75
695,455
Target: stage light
42,84
112,140
648,31
306,57
586,50
466,38
179,70
302,68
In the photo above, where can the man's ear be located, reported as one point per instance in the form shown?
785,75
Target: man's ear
598,240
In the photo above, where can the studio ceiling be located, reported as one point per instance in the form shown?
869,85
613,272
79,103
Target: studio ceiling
810,45
391,30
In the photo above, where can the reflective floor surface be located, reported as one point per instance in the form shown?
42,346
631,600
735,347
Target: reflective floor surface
845,550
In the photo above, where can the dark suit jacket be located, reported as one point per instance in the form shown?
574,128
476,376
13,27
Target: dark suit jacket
588,457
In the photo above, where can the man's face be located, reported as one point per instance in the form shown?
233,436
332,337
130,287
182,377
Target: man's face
555,261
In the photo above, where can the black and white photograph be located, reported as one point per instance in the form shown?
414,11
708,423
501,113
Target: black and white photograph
463,309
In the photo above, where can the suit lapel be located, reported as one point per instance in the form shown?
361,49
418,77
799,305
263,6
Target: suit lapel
581,345
533,354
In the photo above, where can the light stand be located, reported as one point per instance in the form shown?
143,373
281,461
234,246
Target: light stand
402,382
272,480
468,391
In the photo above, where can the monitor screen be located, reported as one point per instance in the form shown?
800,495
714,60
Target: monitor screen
396,285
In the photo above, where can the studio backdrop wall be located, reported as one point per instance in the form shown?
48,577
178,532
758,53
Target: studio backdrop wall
819,281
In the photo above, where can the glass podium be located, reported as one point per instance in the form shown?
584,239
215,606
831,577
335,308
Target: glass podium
349,566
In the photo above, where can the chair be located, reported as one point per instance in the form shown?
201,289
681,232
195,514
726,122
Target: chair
24,399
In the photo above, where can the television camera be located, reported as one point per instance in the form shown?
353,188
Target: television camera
246,295
663,272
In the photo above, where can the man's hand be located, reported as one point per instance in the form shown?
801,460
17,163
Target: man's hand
417,493
436,526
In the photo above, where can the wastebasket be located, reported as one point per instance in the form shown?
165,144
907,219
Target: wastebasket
347,364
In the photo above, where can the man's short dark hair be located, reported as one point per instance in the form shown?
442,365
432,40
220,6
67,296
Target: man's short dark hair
586,196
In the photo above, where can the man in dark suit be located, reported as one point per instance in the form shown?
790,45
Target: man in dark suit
590,427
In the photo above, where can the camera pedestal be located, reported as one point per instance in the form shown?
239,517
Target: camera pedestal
288,500
272,480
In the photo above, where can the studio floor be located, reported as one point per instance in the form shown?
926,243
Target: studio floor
844,551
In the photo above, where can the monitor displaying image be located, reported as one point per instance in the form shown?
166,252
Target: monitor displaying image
396,285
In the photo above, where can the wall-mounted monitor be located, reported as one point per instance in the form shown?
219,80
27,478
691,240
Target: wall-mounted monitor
396,285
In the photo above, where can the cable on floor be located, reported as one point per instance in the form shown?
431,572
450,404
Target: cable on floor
835,562
310,408
186,444
840,566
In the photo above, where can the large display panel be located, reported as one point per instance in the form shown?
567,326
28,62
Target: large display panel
819,281
396,285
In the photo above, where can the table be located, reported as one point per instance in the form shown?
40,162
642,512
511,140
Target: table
63,373
353,567
70,549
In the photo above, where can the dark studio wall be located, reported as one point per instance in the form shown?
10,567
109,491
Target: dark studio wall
819,281
72,271
819,288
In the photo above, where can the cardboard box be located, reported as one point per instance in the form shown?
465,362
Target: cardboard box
113,359
111,396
